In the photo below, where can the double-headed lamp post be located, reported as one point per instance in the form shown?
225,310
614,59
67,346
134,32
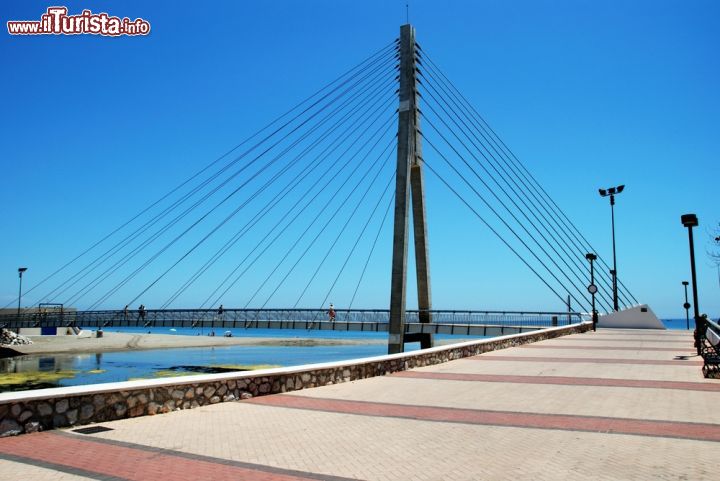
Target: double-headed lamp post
690,221
686,306
612,192
20,273
592,288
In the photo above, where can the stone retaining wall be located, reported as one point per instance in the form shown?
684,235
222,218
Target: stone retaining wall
31,411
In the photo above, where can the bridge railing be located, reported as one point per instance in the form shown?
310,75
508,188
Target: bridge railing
248,317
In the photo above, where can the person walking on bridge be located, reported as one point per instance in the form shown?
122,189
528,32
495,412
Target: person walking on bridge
331,313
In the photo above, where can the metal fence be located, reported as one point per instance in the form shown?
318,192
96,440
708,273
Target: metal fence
286,318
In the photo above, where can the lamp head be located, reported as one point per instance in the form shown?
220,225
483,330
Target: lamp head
685,283
612,191
22,269
603,192
590,256
620,188
689,220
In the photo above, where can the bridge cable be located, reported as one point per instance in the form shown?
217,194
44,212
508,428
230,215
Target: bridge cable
372,250
204,198
139,231
556,211
499,236
580,289
289,187
498,215
517,191
319,214
278,235
371,58
357,241
247,181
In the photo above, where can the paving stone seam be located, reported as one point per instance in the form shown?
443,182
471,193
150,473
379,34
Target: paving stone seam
561,380
59,467
675,362
200,457
606,348
405,411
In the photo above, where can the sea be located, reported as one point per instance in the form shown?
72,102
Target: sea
40,371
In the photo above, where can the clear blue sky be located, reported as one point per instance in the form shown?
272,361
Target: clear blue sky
588,94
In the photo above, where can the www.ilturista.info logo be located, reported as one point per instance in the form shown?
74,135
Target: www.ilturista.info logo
57,22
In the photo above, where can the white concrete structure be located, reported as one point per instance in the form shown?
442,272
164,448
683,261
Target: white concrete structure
638,317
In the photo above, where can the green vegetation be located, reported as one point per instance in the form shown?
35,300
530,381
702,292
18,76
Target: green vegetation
23,381
175,371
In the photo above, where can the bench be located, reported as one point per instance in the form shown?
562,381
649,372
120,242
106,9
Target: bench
710,350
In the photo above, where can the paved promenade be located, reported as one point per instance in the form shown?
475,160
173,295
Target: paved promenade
610,405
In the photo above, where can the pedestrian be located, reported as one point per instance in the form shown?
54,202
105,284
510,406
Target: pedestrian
331,313
141,312
125,312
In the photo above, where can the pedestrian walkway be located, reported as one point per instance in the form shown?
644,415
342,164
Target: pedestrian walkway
606,405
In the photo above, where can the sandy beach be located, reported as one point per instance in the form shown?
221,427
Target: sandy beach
117,341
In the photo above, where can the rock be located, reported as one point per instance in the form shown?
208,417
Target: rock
120,409
44,409
229,398
137,411
25,416
9,428
245,395
264,388
178,394
9,338
32,427
221,390
62,406
153,409
190,393
208,392
99,400
72,416
214,399
87,411
15,410
59,421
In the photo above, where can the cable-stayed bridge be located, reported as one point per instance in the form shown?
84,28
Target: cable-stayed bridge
300,209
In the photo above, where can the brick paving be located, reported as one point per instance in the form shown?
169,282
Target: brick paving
545,413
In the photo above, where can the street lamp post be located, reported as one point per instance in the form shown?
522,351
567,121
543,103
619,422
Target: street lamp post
20,273
690,221
686,306
612,192
592,288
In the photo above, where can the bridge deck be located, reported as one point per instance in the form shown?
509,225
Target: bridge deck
607,405
470,323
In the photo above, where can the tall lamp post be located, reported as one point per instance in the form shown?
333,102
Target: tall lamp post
686,306
592,288
717,239
690,221
20,273
612,192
